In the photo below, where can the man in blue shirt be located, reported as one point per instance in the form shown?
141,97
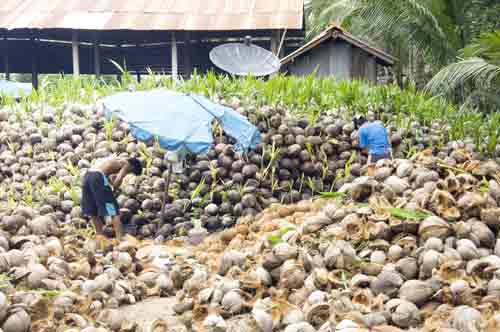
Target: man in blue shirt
374,137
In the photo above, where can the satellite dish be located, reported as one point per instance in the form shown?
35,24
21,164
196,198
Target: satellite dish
245,59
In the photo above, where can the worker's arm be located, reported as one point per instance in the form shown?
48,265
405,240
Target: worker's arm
389,142
121,174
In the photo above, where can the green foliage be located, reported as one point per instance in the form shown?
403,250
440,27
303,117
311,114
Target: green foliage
478,68
278,238
409,214
333,194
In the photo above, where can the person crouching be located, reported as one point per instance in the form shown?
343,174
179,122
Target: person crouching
98,200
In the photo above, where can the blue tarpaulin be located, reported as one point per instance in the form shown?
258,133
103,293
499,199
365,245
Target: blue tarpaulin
15,89
182,122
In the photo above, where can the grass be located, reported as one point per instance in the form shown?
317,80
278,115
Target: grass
333,194
5,280
276,239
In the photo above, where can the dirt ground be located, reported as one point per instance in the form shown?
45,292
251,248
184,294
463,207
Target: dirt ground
145,312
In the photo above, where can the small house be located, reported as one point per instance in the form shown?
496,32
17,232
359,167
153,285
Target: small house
334,52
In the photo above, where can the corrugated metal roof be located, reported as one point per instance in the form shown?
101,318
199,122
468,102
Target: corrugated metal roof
192,15
336,32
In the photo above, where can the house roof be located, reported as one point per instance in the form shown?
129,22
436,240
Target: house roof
150,15
335,32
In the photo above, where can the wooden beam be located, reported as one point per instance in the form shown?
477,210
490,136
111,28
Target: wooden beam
76,54
175,65
34,62
97,59
6,58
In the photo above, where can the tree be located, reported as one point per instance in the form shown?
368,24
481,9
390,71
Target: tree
478,69
418,32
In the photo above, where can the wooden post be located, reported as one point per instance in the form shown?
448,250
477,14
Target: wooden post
97,59
275,42
6,58
188,62
76,55
175,65
34,62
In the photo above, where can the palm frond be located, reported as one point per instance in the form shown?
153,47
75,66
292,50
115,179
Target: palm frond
475,70
412,23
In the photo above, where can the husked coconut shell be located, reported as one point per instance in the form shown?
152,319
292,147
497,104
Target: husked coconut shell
434,227
112,318
233,302
3,306
494,287
494,190
397,184
466,319
44,225
403,313
387,282
284,251
491,216
467,249
416,291
408,267
430,260
292,275
17,321
37,273
477,232
230,259
300,327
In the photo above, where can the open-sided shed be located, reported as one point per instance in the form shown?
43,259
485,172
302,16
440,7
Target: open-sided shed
334,52
169,36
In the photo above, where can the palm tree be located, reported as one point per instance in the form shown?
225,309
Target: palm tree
417,31
477,69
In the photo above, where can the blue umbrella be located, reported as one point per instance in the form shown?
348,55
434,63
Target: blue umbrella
181,122
15,89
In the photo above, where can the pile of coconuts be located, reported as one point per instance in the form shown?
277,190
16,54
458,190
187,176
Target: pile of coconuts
45,152
413,247
416,247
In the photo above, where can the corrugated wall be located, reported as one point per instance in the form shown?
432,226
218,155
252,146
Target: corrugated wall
329,59
338,59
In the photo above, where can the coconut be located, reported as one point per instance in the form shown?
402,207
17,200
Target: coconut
17,321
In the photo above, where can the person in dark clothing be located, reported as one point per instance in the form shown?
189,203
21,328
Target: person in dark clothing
98,200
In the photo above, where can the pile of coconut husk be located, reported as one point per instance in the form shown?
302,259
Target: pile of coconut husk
412,247
416,246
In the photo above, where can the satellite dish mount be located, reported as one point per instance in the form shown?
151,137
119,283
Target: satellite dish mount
248,40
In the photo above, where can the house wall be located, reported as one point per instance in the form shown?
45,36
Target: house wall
329,59
364,65
335,58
